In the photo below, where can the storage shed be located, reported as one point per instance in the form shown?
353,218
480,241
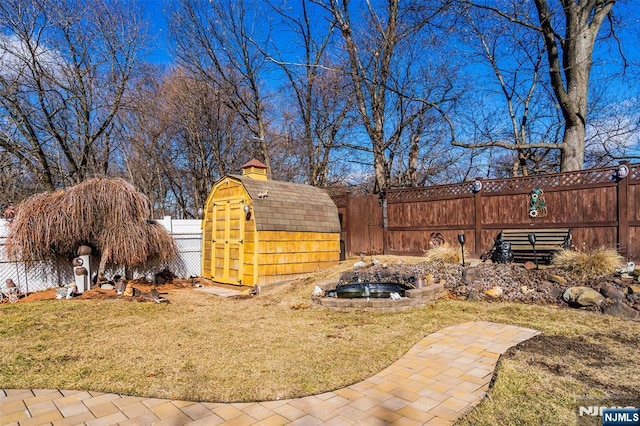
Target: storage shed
260,231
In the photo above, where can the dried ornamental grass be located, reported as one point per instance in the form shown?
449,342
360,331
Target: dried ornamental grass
589,263
105,213
444,254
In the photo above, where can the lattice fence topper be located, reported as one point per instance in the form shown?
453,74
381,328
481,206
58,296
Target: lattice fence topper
578,178
340,200
537,204
425,193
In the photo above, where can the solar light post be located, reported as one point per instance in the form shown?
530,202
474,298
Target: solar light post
532,241
461,241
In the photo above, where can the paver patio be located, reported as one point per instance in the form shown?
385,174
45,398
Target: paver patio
437,381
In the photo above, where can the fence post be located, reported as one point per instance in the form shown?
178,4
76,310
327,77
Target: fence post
477,217
167,222
623,211
349,228
385,223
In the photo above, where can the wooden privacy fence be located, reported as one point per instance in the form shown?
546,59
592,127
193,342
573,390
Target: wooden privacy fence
601,208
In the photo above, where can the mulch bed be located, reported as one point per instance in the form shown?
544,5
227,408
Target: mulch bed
102,294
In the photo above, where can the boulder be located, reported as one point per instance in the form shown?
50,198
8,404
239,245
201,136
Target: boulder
471,275
495,292
556,279
474,295
556,293
611,292
583,296
619,309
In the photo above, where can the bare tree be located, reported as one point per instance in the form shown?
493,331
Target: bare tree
183,138
321,91
16,181
569,30
65,69
517,112
375,62
219,42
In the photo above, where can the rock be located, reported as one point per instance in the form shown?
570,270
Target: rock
627,269
474,295
611,292
622,281
556,279
526,290
543,286
583,296
529,265
359,264
461,290
633,289
556,293
107,286
495,292
619,309
471,275
129,290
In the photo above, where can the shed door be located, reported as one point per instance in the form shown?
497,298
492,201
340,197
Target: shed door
228,252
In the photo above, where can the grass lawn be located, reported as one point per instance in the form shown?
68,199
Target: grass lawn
281,345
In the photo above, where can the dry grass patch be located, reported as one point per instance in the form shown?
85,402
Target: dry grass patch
589,263
444,254
281,345
579,356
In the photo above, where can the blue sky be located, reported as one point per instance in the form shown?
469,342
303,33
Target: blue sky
154,12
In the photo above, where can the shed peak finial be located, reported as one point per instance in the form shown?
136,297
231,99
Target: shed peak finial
254,163
255,170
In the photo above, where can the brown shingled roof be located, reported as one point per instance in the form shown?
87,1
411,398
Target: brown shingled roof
291,207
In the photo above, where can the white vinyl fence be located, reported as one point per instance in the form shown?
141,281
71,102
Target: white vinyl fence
48,274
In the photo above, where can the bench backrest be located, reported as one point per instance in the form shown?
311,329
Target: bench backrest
549,238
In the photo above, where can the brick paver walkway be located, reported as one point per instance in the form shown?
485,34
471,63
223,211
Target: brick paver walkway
439,380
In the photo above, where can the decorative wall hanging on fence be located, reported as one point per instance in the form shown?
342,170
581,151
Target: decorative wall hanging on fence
436,240
537,205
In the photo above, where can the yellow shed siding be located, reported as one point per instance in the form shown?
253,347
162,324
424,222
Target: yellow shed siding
236,252
285,255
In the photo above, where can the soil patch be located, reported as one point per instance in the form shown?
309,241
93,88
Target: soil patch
102,294
591,359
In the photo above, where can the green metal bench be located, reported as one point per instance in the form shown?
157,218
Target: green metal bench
548,242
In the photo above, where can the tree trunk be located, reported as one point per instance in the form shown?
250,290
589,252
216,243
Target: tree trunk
103,264
381,170
573,150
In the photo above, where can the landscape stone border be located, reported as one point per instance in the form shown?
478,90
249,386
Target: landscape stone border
414,297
